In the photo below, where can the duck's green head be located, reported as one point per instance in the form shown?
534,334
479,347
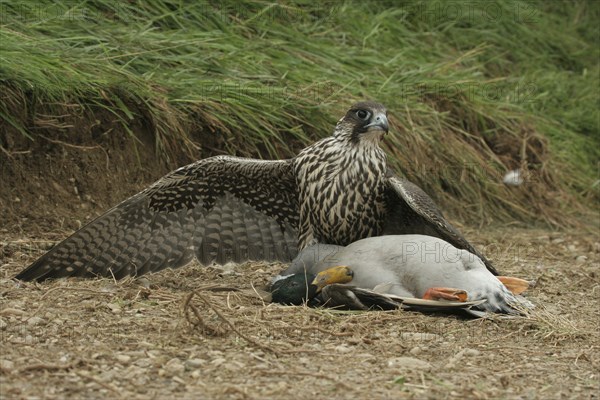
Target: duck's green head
302,287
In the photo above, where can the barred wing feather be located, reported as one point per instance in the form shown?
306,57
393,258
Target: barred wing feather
218,209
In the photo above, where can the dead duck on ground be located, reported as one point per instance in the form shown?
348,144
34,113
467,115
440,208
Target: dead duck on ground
397,271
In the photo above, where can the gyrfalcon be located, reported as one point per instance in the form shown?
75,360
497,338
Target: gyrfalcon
223,208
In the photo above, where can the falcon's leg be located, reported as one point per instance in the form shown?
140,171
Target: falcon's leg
442,293
515,285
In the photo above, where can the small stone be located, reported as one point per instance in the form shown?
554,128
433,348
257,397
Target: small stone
143,363
471,352
197,373
12,311
415,351
234,366
571,247
123,358
452,361
144,282
342,348
558,240
174,366
229,266
110,288
409,363
514,177
7,365
153,353
115,308
422,336
316,346
194,363
581,259
218,361
304,361
34,321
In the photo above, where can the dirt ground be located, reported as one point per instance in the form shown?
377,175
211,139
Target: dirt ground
132,339
204,332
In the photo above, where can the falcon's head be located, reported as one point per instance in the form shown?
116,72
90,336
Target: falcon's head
364,121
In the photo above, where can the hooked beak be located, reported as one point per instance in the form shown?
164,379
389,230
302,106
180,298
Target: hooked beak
379,121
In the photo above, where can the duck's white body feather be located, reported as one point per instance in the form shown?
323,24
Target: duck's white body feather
408,265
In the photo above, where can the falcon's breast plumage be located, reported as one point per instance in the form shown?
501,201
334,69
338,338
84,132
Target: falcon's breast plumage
224,208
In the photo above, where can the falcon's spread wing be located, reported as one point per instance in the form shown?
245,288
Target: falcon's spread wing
411,210
217,209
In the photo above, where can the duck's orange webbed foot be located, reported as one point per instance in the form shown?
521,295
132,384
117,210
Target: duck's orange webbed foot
443,293
515,285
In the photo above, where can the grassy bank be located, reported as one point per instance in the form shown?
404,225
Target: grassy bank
474,88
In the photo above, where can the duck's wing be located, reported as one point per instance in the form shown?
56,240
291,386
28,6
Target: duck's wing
466,308
348,297
218,209
411,210
354,298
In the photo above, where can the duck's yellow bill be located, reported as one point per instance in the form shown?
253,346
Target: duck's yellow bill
339,274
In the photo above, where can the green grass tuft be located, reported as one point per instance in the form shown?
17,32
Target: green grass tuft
475,88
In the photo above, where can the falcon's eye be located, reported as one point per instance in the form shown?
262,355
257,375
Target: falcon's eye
363,114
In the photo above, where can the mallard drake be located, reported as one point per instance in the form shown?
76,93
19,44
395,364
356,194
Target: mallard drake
394,270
